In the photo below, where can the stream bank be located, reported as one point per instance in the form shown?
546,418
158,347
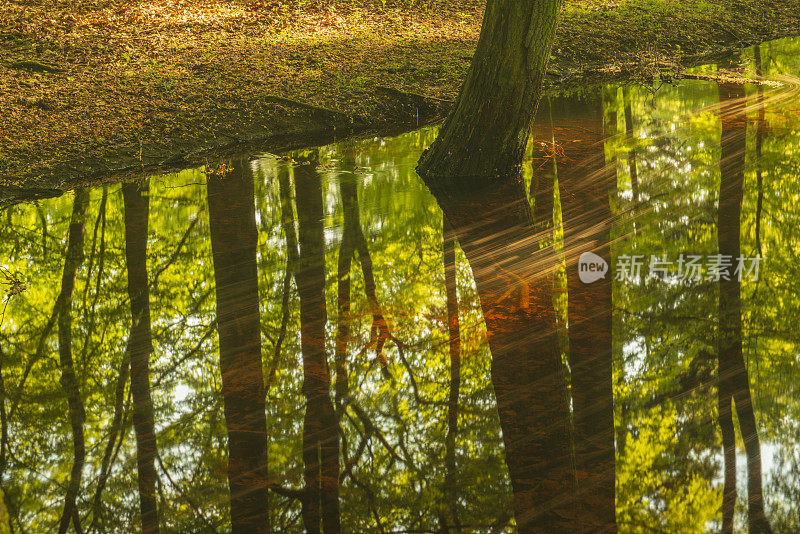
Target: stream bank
110,90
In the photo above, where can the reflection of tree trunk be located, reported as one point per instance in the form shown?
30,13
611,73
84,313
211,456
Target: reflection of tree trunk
486,133
734,383
353,240
760,128
494,228
632,147
449,256
114,431
4,445
233,243
380,332
69,382
292,260
349,195
320,429
585,184
89,309
140,347
343,329
543,179
3,420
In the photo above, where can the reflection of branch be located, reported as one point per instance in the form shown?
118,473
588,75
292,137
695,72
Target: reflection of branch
292,261
353,240
370,427
286,492
183,495
401,353
276,356
45,236
401,437
401,349
38,354
453,329
4,445
380,330
370,501
126,424
500,524
101,217
124,427
177,251
69,383
349,464
3,420
760,128
344,266
211,328
116,424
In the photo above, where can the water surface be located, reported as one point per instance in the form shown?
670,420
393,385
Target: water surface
307,338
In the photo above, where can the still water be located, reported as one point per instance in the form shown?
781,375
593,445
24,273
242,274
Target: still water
320,341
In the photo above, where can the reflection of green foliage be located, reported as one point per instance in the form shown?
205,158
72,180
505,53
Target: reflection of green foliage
5,527
401,222
664,334
654,490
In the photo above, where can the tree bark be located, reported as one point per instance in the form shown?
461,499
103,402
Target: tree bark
486,133
233,243
493,225
734,382
140,346
320,429
584,183
77,416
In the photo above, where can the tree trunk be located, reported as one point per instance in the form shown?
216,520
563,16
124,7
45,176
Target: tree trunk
140,346
233,244
486,133
73,258
734,383
585,183
320,429
494,227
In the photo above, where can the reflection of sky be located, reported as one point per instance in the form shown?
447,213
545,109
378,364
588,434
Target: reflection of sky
634,354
